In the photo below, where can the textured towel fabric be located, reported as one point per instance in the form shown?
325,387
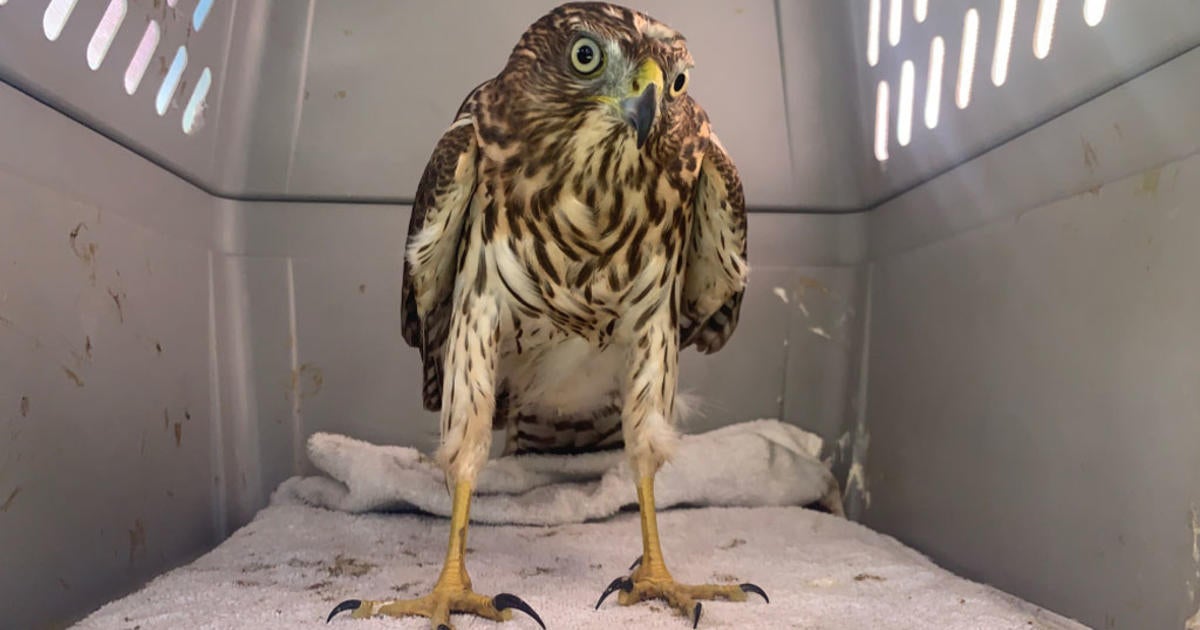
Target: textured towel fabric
293,563
752,464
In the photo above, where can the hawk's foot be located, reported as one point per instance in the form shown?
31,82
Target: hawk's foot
439,605
655,582
452,593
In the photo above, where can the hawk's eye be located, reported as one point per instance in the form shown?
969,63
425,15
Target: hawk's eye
680,84
586,56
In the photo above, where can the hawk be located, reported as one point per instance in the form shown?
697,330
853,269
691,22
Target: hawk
577,225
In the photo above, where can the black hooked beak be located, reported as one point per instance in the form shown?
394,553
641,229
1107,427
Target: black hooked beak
640,112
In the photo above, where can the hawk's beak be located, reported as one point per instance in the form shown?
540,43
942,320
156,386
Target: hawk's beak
641,105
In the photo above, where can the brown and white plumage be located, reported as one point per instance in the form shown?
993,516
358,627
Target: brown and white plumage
595,256
577,225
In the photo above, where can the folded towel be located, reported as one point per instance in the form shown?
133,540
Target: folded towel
751,464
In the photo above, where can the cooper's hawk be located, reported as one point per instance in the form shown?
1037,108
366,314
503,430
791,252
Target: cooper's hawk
577,225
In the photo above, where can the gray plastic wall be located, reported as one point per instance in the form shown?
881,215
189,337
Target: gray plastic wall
991,330
1032,410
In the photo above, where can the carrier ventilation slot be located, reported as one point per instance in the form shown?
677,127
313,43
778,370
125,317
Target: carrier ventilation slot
966,60
933,87
109,28
55,17
141,58
105,32
897,114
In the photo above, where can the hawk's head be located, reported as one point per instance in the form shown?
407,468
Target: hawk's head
597,68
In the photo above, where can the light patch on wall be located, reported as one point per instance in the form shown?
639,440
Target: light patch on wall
1043,32
110,23
881,121
920,10
856,480
55,17
856,477
873,32
201,14
904,114
895,21
141,58
966,59
1195,534
170,82
933,87
193,115
1004,37
3,2
1093,11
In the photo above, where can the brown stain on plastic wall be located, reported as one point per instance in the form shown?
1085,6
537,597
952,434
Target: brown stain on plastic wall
307,380
12,496
118,298
84,251
24,406
137,538
178,435
806,282
72,376
1090,159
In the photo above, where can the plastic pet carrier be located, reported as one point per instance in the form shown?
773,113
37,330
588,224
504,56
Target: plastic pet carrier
964,391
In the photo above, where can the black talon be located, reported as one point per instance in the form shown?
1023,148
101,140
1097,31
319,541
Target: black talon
696,613
635,563
753,588
504,601
625,584
349,604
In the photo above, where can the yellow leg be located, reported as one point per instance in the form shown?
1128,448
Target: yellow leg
452,593
653,566
454,569
652,580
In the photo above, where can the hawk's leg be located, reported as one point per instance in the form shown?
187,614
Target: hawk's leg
466,434
649,401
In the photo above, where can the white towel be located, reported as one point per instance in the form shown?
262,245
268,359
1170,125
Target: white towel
752,464
293,564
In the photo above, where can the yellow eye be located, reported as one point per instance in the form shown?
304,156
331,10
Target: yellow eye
586,56
679,84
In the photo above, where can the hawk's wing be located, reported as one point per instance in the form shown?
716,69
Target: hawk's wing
431,254
715,269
